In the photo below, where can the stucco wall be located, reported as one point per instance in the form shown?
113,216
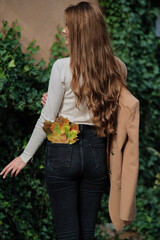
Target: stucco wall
38,20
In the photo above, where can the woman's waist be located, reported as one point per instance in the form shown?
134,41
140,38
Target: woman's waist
77,117
83,127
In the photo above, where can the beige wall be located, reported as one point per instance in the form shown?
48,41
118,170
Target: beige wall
38,20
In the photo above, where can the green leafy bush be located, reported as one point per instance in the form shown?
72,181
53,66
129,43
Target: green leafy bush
25,212
23,200
131,25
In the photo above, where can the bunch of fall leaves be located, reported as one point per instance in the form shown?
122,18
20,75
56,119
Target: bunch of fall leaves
61,131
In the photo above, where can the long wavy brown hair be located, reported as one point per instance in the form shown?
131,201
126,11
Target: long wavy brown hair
92,58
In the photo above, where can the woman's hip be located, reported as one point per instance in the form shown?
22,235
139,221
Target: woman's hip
85,158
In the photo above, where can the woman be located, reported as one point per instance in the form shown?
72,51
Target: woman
89,89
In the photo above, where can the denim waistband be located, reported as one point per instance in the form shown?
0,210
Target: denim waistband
85,126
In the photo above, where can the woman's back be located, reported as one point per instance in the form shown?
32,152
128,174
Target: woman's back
68,108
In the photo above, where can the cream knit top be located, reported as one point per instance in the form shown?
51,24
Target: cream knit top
60,102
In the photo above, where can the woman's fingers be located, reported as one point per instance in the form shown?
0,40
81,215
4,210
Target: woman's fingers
43,101
15,166
17,172
7,171
44,98
13,171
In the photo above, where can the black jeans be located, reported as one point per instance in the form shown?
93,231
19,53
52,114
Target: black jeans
76,177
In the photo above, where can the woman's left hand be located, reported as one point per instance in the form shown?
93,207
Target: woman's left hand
16,166
44,99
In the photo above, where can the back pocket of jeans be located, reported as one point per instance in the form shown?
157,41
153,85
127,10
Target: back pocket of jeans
100,156
58,155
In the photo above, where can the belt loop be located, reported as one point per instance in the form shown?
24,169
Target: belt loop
80,127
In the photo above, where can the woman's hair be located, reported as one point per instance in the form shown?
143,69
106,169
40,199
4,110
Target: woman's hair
92,58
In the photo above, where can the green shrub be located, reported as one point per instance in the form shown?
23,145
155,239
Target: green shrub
23,200
131,25
25,212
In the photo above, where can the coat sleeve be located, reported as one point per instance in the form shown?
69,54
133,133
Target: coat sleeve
130,166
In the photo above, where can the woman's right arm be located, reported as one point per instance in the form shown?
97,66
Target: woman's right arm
49,112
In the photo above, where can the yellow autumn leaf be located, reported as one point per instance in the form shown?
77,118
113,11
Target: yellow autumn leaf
61,131
46,127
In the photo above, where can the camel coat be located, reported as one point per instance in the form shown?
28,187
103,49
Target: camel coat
123,162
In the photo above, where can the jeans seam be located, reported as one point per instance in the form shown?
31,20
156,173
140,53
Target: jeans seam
97,165
81,151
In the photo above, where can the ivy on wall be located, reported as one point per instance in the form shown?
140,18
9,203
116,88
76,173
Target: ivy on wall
25,212
131,25
23,200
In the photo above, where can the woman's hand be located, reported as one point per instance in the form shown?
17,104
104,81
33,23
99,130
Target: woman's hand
44,98
16,166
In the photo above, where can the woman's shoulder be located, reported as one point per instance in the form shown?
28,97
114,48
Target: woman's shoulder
127,100
63,61
117,59
62,64
122,66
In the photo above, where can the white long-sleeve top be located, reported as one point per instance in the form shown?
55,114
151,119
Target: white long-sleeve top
60,102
